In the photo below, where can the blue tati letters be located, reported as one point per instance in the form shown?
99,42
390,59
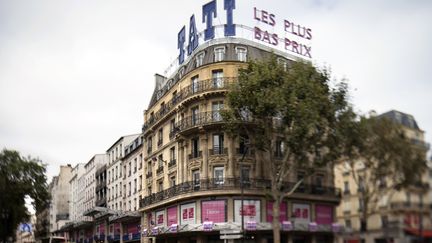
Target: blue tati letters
209,12
193,36
229,6
180,44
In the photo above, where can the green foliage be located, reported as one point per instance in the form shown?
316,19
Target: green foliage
19,177
298,106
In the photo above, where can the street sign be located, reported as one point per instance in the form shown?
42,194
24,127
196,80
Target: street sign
230,237
230,231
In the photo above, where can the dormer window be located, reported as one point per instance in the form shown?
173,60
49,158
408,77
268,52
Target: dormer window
181,72
241,53
283,63
199,60
219,54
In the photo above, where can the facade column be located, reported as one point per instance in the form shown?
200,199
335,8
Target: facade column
204,147
180,171
186,161
231,157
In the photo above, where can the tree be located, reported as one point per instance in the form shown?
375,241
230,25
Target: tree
382,161
20,177
293,118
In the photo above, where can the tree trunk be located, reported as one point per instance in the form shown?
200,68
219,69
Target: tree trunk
276,223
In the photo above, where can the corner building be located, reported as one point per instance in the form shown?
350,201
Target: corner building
192,190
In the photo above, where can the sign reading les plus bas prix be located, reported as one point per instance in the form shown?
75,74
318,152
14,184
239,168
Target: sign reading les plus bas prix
301,212
188,41
324,214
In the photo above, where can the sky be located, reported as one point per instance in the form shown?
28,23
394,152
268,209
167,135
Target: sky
75,75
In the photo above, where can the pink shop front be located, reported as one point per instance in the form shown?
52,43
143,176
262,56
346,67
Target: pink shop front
206,219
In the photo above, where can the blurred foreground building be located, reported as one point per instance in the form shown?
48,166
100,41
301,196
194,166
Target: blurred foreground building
402,216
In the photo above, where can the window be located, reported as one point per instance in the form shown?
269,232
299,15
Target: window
199,60
135,185
194,147
130,188
279,148
172,154
172,129
124,190
218,143
116,191
140,183
195,84
172,181
219,54
361,206
160,137
360,184
319,181
149,144
124,169
216,108
348,223
140,161
384,221
130,168
135,204
218,175
196,178
346,187
195,115
116,171
245,174
283,63
160,161
135,165
241,54
149,190
149,167
243,142
301,176
218,78
160,186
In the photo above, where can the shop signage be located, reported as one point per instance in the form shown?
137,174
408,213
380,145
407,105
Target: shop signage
155,230
172,215
208,226
287,226
160,218
213,211
250,211
173,228
313,226
282,212
187,212
251,225
282,33
301,213
324,214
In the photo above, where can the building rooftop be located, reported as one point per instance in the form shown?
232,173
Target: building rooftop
404,119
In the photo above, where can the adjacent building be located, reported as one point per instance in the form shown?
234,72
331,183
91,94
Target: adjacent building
60,198
398,216
76,203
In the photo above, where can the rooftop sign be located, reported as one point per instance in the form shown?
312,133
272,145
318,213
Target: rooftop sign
270,30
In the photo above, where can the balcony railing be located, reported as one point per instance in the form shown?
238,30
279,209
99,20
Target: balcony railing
408,206
195,155
218,151
259,185
171,163
193,89
159,169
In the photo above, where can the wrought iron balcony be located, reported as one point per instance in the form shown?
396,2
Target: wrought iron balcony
259,185
218,151
195,155
159,169
190,90
171,163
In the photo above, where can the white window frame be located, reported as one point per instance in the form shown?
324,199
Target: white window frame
241,53
219,54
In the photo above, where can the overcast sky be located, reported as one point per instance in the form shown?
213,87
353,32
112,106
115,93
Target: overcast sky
76,75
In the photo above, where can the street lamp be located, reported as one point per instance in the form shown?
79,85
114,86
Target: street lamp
242,189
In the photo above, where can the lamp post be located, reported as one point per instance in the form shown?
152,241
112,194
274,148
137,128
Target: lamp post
242,191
